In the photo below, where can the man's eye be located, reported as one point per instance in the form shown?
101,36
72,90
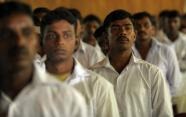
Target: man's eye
115,28
27,32
128,27
51,36
6,33
67,35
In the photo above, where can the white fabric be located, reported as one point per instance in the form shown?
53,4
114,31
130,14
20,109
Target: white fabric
88,55
97,47
162,37
45,97
40,60
165,58
180,49
98,92
141,89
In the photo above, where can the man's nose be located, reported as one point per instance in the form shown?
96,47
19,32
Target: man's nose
19,40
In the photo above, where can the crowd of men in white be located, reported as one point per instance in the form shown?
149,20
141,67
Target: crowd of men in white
55,64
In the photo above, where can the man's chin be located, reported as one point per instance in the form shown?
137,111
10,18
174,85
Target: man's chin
58,59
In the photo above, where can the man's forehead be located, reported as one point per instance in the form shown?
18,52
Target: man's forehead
19,20
60,25
125,21
143,19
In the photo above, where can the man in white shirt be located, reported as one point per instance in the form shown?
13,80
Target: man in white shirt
140,87
26,91
86,54
149,49
176,39
58,29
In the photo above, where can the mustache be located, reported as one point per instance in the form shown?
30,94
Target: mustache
141,32
17,51
122,38
59,50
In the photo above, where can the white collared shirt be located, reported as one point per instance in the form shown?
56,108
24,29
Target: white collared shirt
165,58
88,55
98,92
45,97
179,46
162,37
40,60
141,89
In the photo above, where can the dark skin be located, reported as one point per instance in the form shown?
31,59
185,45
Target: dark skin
60,68
121,35
17,51
120,60
144,40
60,50
173,28
143,48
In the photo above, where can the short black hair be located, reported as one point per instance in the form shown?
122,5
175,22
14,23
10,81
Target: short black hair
183,16
116,15
57,15
36,12
91,18
173,14
9,8
99,31
140,15
40,10
76,13
164,13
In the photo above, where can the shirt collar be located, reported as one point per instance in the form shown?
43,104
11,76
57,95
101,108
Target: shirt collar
106,62
78,74
153,47
81,46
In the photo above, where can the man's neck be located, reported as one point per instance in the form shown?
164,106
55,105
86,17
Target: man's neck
143,47
173,37
119,60
60,68
14,83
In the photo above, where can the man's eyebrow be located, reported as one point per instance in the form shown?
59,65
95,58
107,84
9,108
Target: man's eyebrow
127,24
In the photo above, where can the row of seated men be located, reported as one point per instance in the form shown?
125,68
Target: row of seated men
132,74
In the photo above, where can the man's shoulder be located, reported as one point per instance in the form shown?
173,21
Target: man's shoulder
97,81
145,66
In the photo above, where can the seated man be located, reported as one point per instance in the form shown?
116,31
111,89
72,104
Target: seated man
140,88
26,91
58,32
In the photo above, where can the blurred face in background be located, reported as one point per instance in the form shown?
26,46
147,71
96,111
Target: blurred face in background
173,26
144,29
89,29
103,42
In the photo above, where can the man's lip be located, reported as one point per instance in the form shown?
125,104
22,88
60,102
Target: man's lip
123,39
59,51
142,33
